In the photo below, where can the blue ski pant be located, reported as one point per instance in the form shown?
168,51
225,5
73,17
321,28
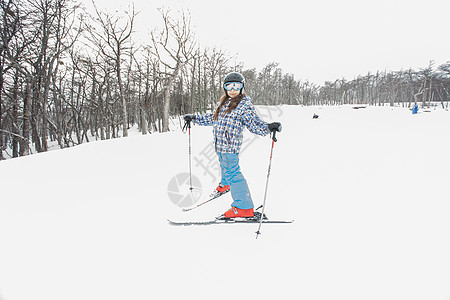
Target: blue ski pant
232,176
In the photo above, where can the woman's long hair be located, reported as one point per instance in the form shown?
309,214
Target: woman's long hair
234,103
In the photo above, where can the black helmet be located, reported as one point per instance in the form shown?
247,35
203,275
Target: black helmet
234,77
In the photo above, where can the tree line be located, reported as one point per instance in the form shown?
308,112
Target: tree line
67,76
404,87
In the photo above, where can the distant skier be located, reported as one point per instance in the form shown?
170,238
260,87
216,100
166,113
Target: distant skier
234,111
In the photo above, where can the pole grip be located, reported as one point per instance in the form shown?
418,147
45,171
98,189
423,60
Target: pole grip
187,125
273,136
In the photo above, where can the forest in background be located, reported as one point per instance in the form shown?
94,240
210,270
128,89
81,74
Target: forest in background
68,76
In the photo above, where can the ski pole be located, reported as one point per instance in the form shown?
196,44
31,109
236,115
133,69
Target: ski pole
274,139
187,125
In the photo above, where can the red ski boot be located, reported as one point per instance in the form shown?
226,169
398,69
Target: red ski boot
223,188
219,191
235,212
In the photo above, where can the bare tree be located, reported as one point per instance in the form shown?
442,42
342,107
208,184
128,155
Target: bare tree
174,47
9,28
114,41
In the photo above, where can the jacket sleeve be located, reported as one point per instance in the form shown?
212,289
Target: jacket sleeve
204,120
252,121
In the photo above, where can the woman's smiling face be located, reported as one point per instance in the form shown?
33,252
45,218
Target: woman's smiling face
233,93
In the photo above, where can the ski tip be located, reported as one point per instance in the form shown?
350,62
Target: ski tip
174,223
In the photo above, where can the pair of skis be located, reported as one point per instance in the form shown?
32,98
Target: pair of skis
257,218
251,220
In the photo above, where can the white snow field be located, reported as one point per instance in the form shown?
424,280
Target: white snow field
368,190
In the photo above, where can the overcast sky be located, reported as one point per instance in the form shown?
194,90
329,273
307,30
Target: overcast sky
318,40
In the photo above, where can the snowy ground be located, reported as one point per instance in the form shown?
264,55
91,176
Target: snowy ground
368,190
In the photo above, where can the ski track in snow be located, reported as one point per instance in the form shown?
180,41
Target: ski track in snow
368,190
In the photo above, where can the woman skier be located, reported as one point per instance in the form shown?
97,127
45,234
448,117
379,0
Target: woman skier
234,112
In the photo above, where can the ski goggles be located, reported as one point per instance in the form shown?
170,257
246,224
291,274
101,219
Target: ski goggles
233,86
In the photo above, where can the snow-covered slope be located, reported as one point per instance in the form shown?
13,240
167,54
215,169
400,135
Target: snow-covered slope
368,190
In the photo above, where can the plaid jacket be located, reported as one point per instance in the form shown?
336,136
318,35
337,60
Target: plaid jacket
228,127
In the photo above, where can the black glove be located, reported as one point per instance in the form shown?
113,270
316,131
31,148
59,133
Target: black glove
275,126
189,118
